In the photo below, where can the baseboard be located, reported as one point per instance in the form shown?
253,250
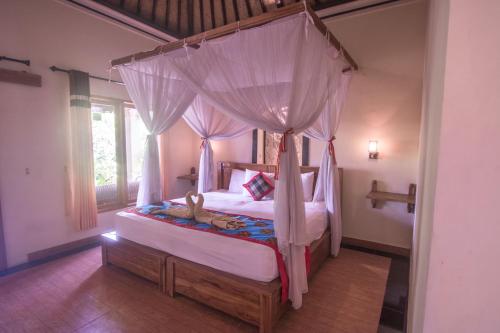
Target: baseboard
399,251
64,248
56,252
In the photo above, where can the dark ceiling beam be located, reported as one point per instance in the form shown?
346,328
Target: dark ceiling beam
212,13
167,13
236,12
263,6
216,13
190,16
179,17
249,8
202,15
131,14
153,14
224,13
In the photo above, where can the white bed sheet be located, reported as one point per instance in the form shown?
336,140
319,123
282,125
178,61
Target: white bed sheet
235,256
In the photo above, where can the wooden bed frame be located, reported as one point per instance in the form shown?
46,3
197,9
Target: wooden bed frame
255,302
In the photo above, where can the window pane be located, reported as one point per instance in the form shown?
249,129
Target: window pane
135,137
104,143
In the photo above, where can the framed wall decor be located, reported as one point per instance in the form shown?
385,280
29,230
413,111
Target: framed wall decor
265,147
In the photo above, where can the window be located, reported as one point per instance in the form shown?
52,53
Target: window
119,137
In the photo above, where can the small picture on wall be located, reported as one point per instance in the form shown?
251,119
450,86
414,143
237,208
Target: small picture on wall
266,145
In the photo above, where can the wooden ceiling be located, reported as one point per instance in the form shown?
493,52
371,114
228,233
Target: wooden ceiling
183,18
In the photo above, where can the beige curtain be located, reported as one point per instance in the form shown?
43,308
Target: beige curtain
80,188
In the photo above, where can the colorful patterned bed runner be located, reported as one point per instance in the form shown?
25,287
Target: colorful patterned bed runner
256,230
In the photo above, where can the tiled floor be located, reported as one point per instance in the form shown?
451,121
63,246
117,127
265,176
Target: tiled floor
76,294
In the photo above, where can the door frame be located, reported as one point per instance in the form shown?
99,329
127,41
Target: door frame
430,133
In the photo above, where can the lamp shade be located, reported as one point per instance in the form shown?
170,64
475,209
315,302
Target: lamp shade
372,146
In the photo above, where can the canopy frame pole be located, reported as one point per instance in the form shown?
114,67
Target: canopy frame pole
247,23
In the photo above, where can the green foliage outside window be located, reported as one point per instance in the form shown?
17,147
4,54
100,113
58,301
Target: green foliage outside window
104,143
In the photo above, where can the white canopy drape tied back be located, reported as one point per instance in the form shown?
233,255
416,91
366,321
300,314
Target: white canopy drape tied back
282,149
331,149
210,124
328,182
161,99
204,142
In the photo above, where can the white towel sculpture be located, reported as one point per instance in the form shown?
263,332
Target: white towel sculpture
181,212
201,215
221,221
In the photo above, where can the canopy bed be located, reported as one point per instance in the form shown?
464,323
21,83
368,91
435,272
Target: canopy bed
237,277
283,72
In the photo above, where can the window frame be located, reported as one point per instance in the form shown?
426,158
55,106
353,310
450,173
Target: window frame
123,200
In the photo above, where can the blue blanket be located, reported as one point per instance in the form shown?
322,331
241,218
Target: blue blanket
255,229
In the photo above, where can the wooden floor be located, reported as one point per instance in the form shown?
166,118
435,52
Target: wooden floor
76,294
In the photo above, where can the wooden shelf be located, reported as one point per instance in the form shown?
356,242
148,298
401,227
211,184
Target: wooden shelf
388,196
409,198
189,177
20,77
192,177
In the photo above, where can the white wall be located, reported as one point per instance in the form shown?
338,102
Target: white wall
32,127
238,149
383,104
463,293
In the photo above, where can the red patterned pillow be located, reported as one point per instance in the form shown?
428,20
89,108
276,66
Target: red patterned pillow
259,186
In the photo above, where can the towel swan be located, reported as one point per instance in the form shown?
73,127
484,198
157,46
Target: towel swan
181,212
199,214
221,221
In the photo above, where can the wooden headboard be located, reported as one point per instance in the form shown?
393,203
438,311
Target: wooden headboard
224,170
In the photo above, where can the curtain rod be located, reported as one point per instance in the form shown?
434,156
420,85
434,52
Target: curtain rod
26,62
247,23
57,69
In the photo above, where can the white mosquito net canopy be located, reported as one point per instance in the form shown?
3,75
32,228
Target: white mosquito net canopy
280,77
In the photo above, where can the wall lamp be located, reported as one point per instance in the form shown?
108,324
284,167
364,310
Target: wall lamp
373,149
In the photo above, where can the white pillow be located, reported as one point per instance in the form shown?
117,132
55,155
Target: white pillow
237,181
249,174
307,185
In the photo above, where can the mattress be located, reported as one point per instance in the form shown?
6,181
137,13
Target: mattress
235,256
